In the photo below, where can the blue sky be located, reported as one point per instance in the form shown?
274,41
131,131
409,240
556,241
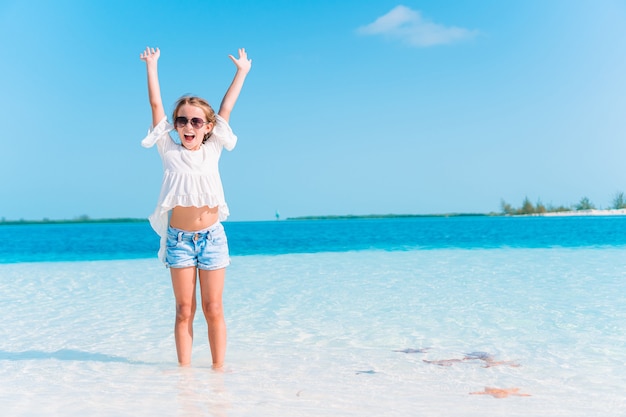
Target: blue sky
351,107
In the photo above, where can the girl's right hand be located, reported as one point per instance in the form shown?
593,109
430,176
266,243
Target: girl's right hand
150,55
242,63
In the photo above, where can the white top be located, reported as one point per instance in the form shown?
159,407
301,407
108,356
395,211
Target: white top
190,178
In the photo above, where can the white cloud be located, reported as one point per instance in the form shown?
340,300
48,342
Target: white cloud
410,27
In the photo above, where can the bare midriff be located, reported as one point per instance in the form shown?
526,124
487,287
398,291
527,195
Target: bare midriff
192,219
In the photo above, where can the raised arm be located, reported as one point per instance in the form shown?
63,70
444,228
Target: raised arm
232,94
150,56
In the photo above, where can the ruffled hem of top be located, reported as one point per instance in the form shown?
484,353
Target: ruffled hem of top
159,220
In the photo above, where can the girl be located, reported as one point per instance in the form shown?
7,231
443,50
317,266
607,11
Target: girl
191,205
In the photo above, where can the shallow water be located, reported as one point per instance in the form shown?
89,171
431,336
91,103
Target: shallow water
316,334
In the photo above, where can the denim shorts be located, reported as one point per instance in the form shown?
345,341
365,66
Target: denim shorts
206,249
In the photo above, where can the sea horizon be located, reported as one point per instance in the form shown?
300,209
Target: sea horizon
87,219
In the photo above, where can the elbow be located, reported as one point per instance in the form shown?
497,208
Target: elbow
224,114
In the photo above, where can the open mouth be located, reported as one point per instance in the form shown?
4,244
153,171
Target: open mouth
188,137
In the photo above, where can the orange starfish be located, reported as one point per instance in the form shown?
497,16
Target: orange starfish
500,392
444,362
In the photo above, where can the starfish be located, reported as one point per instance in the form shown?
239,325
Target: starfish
500,392
488,359
491,363
483,356
444,362
411,350
479,355
369,371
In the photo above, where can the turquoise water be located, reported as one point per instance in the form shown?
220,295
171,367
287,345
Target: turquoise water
108,241
322,332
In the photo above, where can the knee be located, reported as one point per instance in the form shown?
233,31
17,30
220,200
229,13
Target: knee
185,311
212,310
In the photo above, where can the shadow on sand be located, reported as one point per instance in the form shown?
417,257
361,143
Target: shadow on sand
66,355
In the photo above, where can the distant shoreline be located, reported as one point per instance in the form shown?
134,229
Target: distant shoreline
330,217
71,221
387,216
579,213
572,213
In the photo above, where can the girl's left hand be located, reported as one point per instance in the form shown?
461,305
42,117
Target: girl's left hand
243,63
150,55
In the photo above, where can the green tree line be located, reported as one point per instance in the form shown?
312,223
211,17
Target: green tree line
618,202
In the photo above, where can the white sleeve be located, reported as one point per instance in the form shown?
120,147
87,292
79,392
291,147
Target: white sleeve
222,133
157,133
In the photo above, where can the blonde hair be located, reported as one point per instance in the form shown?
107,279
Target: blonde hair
202,104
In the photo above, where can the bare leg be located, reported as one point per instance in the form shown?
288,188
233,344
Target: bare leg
184,285
211,288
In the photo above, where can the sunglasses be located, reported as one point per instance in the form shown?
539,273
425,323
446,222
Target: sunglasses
196,122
